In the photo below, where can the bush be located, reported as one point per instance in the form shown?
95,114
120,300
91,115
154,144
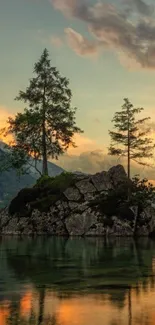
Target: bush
56,184
24,196
108,222
44,204
44,181
125,212
108,204
46,191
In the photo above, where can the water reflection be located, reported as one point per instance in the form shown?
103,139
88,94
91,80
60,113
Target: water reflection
59,281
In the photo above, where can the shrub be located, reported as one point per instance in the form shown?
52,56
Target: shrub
44,181
24,196
60,182
46,191
44,203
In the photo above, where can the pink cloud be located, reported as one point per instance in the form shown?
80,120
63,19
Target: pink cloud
81,45
114,29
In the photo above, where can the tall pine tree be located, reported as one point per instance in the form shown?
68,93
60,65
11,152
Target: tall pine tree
47,126
130,138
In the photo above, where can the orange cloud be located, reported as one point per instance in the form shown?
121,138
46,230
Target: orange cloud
83,144
4,115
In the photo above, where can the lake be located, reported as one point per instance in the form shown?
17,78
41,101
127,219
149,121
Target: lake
93,281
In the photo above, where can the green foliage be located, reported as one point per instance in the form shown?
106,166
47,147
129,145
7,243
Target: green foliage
110,202
47,126
107,204
58,183
44,203
44,180
117,203
13,158
142,192
24,197
108,221
131,138
45,192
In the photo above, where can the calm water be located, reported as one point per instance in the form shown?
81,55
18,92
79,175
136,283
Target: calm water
77,281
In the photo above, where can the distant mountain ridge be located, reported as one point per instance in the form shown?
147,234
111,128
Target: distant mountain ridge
10,183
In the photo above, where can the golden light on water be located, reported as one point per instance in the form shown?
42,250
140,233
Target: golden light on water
26,303
4,313
96,309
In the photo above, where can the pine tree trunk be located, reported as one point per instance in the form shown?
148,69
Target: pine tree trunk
128,162
128,167
128,147
45,164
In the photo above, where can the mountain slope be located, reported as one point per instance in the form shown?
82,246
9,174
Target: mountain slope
10,183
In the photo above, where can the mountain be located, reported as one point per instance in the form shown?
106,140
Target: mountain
10,183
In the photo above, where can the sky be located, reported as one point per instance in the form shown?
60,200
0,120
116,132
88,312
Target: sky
106,49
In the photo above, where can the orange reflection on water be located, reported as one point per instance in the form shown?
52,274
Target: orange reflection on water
26,304
137,309
87,310
4,313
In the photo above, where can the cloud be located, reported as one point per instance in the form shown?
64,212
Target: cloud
87,162
4,115
115,29
56,41
82,143
66,6
141,6
89,157
97,160
81,45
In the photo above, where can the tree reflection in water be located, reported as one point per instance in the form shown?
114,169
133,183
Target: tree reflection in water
68,276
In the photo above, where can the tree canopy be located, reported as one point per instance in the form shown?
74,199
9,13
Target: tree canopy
47,126
131,139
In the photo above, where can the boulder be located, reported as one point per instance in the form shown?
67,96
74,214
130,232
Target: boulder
72,194
60,229
73,213
90,196
79,223
117,175
97,229
11,227
102,181
85,186
119,228
78,207
73,205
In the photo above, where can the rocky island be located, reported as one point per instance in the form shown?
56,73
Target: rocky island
77,205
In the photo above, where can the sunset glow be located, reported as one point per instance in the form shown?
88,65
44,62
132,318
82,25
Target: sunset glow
4,115
102,68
